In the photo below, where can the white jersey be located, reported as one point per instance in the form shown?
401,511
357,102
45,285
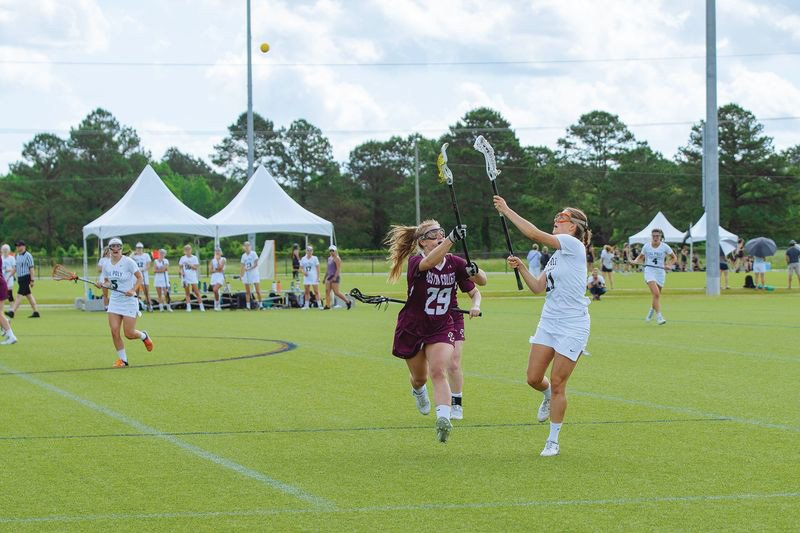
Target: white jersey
189,274
309,267
121,277
8,267
607,259
142,261
161,278
656,256
249,260
565,274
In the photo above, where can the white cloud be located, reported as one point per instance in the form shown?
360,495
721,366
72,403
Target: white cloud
14,71
75,25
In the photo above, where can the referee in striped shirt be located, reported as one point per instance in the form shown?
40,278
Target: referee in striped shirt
24,280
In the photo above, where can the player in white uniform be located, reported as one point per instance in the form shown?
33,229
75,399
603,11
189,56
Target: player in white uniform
563,329
217,268
143,261
189,266
161,280
10,270
122,275
658,258
249,274
309,264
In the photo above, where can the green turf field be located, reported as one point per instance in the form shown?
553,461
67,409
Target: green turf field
694,425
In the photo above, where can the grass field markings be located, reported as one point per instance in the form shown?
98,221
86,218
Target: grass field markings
284,346
194,450
350,429
678,409
410,507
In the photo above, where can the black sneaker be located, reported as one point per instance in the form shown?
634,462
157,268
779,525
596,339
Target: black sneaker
10,314
349,304
34,315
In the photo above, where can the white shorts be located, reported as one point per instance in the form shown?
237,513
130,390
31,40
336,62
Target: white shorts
759,268
310,281
251,277
217,278
655,274
791,267
128,307
190,279
161,280
566,336
145,277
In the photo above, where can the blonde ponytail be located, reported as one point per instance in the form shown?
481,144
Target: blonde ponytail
402,241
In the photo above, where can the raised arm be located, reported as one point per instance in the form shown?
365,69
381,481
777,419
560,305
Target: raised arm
537,284
526,227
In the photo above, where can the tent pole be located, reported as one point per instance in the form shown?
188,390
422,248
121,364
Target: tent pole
85,271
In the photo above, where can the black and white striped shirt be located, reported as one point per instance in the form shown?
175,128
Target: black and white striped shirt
24,263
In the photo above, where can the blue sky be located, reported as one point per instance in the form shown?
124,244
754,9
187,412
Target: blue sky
191,106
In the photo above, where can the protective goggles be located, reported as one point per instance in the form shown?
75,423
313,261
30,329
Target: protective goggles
112,246
432,234
565,216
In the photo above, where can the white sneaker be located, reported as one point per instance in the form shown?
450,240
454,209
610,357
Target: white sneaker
337,306
319,304
544,410
423,403
202,309
443,429
550,449
304,307
10,340
189,309
660,320
650,314
457,412
169,308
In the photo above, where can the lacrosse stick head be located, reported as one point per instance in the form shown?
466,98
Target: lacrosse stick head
363,298
483,146
60,273
444,171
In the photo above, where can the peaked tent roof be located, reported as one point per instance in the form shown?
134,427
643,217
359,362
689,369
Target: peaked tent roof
262,206
671,234
148,207
727,240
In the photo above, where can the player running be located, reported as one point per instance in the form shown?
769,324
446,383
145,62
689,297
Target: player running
250,275
563,329
455,376
143,261
309,264
189,266
122,274
161,280
424,333
657,257
217,276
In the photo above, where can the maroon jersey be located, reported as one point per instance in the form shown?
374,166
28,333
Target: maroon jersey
3,285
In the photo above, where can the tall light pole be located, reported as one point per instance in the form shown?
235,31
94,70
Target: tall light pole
416,178
249,97
711,155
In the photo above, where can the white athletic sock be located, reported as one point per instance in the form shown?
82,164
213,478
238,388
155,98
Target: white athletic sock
456,394
248,305
420,391
142,335
554,430
443,410
121,355
160,307
547,392
9,333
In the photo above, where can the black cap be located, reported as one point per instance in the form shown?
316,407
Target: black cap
19,243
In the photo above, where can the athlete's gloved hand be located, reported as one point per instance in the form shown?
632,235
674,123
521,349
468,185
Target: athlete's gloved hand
472,269
459,233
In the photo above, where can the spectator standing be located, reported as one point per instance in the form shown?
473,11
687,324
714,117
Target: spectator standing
295,262
310,265
333,278
534,260
9,270
760,269
607,263
723,267
684,258
545,257
792,261
738,256
596,284
589,257
626,258
25,280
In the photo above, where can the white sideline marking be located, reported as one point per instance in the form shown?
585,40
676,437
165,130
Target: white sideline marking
758,355
191,448
384,508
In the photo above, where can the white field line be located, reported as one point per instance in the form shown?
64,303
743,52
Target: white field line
194,450
390,508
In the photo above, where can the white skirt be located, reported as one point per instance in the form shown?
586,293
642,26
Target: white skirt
567,336
217,278
759,268
161,280
251,277
127,307
655,274
190,278
310,280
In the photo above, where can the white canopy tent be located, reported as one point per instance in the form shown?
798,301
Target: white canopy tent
671,233
697,233
148,207
262,206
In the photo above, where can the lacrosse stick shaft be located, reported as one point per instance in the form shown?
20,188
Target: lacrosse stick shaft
93,283
508,237
458,220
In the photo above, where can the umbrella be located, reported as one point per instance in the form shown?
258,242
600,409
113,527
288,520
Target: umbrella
760,247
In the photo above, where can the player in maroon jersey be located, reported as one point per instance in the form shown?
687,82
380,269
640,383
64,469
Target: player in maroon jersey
424,334
455,376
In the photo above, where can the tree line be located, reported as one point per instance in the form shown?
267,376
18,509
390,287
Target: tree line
60,184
